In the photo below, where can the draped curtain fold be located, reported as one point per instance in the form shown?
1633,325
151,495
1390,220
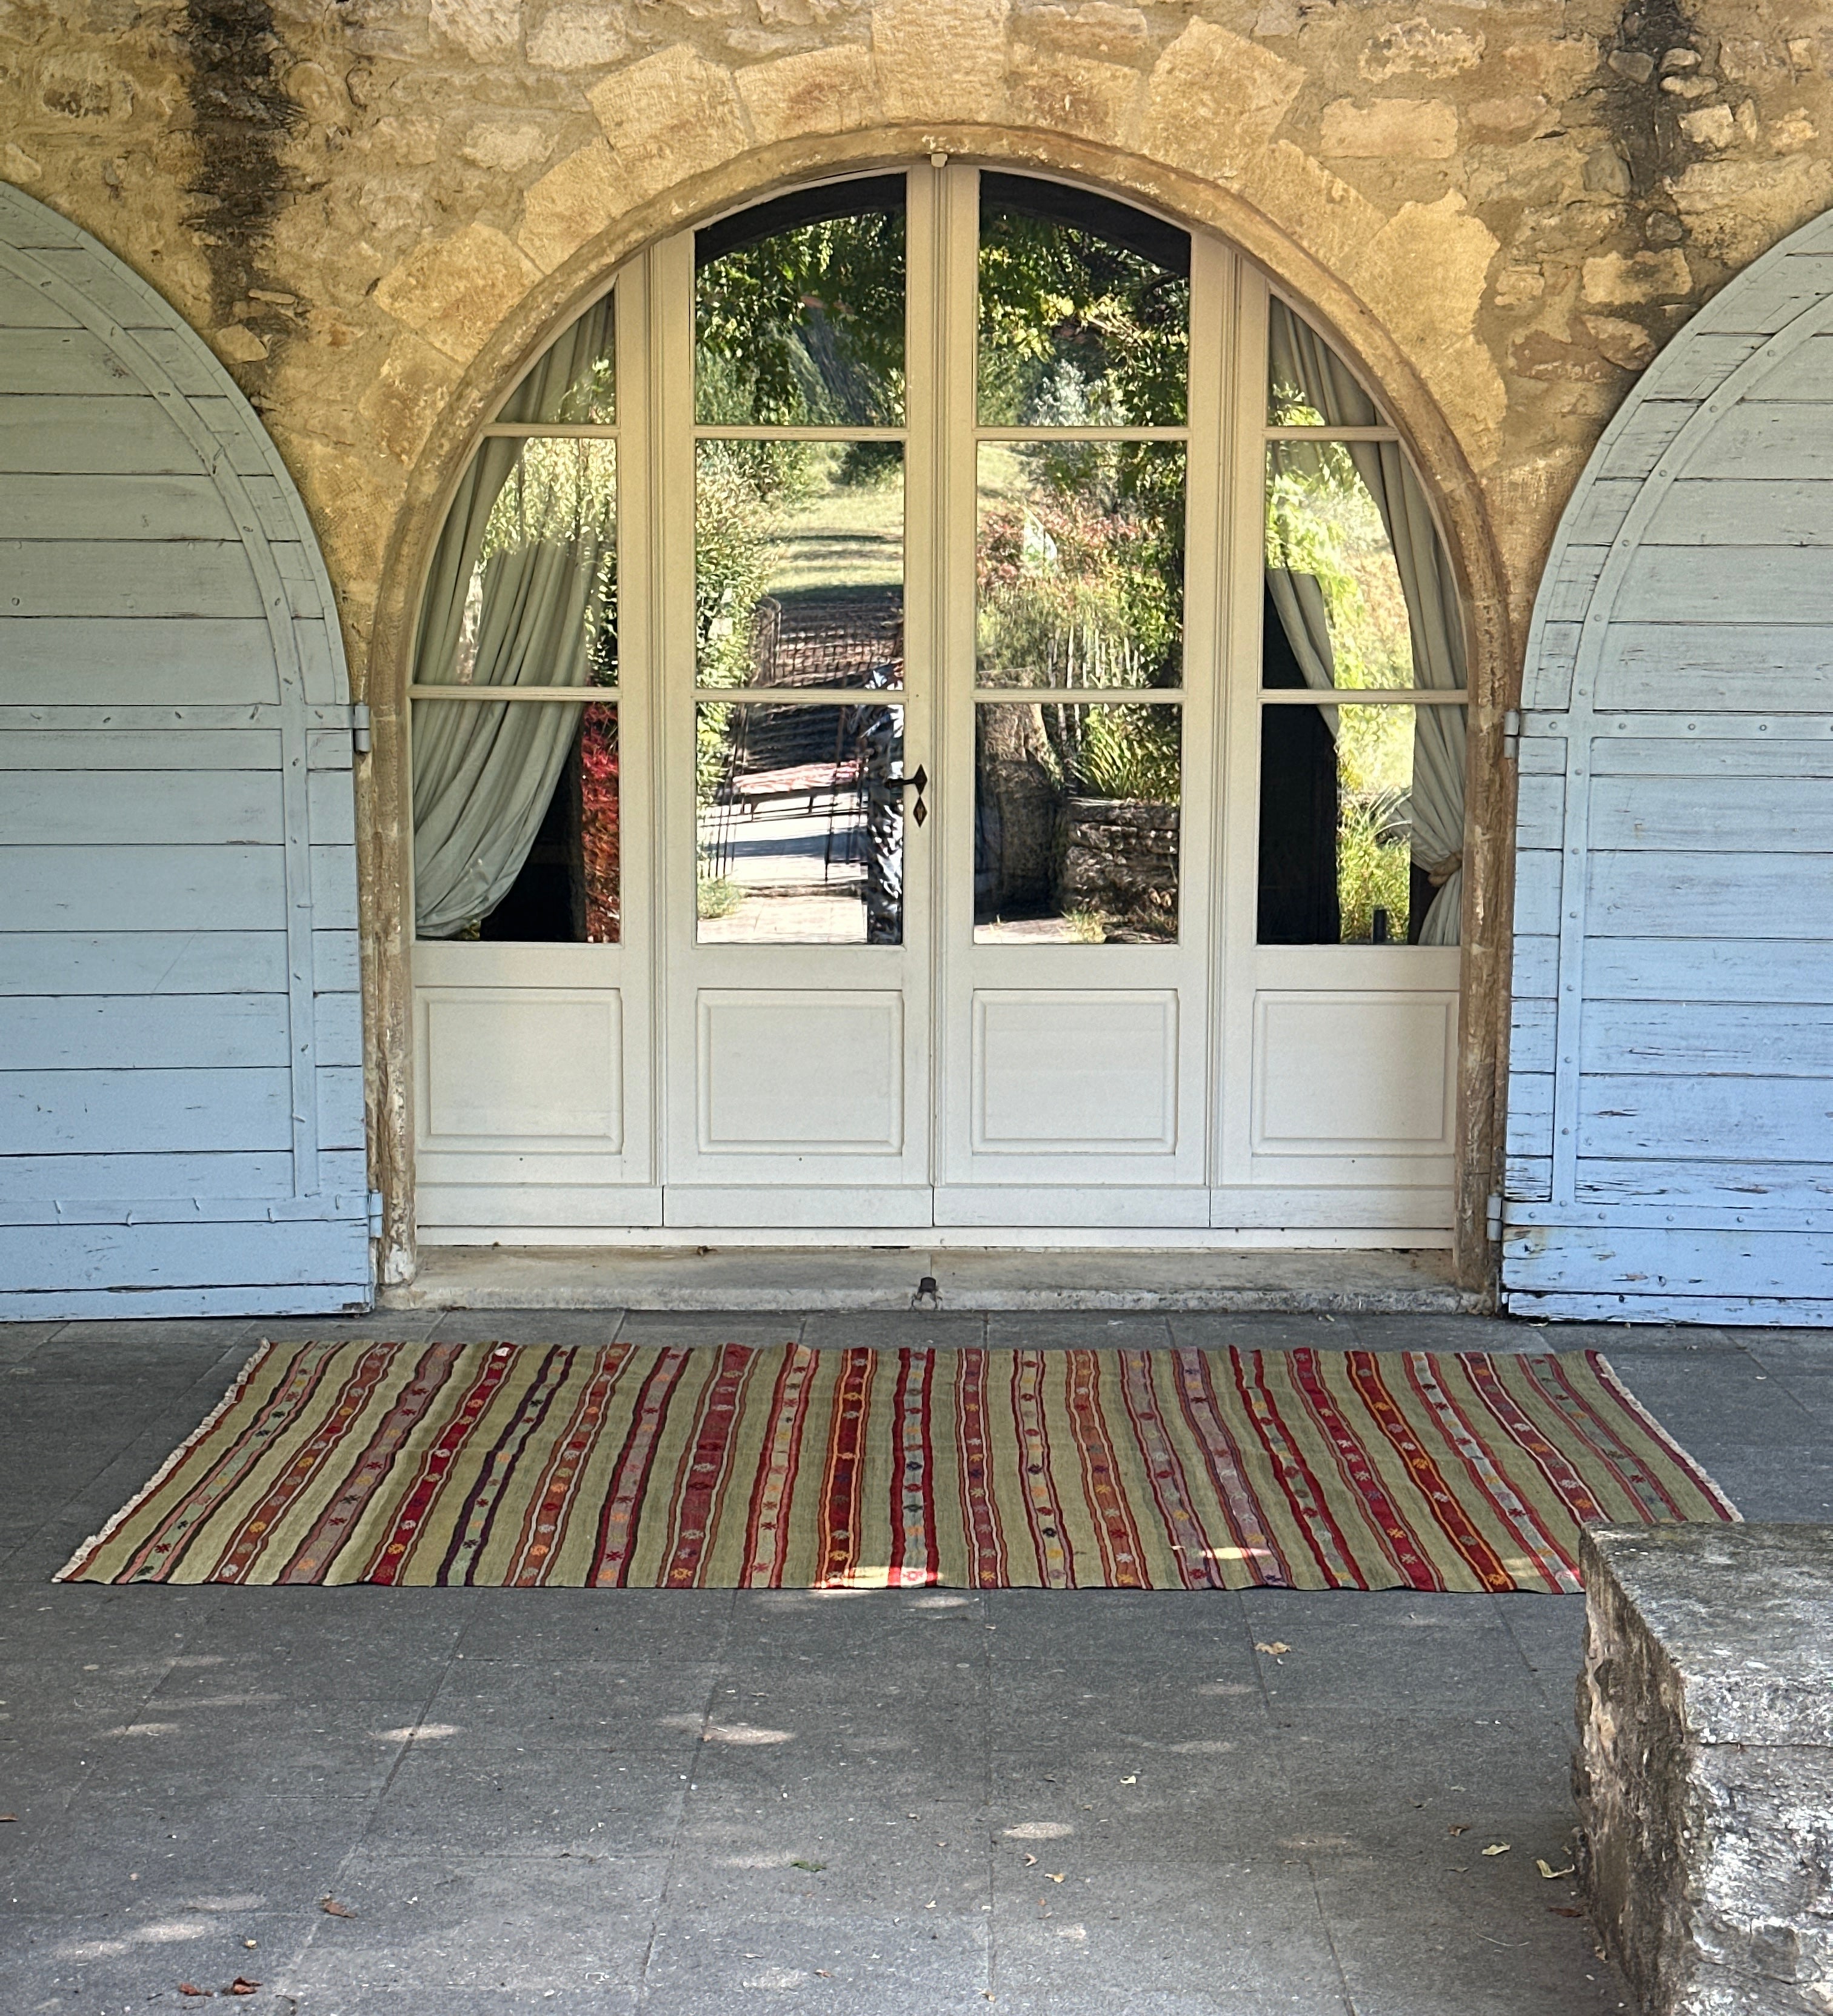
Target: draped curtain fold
1301,359
514,600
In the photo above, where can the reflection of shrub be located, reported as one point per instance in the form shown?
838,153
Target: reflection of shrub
1374,864
1128,752
1077,588
718,897
599,838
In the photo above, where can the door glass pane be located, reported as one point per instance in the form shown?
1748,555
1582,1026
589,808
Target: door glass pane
573,382
1361,822
1308,384
1084,310
516,821
799,311
1080,562
1075,823
523,590
1341,614
799,563
800,815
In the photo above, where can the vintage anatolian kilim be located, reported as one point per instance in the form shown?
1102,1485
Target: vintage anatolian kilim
656,1466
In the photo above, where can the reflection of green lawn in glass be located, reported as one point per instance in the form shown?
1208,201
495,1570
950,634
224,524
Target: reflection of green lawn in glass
839,534
1375,786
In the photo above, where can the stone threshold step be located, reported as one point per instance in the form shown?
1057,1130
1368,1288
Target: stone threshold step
774,1279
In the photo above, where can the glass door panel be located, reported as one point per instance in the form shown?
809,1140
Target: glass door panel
798,982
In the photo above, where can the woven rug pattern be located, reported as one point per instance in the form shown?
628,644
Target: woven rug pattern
659,1466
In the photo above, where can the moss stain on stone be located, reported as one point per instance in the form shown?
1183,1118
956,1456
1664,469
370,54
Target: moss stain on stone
241,115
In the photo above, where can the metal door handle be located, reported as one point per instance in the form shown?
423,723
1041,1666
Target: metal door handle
919,783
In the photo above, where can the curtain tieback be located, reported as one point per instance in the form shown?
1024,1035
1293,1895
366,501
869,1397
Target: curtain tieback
1440,872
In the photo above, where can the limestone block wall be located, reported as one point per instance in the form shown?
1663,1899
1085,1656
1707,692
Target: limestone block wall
375,210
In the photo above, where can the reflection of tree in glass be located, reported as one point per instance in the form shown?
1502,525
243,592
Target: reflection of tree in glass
739,489
1081,580
1321,520
1077,330
804,328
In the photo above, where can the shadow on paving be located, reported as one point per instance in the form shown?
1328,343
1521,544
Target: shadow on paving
704,1802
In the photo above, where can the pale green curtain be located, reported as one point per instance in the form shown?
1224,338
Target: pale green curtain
515,596
1299,358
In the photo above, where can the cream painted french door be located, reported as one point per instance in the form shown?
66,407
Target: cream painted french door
958,840
1025,1043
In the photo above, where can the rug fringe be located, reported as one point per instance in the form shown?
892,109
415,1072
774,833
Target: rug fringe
1608,1372
68,1571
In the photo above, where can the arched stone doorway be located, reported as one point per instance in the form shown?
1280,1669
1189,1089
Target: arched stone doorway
1668,1132
1190,1130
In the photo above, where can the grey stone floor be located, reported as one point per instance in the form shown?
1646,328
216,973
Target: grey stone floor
1090,1805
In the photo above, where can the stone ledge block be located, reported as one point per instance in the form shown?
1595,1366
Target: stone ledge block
1703,1769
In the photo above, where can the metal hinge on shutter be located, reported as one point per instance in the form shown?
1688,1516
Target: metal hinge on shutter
375,1213
1511,735
359,728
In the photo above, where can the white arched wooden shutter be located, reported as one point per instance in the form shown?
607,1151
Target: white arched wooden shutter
1671,1080
181,1061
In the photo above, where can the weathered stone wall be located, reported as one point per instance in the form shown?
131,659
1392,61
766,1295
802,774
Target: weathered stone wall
375,210
1704,1767
349,196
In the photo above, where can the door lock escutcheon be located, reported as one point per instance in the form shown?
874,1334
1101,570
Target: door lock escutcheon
919,783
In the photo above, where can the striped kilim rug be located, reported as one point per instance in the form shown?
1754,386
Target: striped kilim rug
719,1467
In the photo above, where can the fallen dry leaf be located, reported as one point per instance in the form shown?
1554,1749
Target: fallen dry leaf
242,1985
1551,1874
1133,1780
1499,1848
332,1908
8,1816
1565,1910
1465,1829
191,1988
1056,1879
1278,1645
1030,1862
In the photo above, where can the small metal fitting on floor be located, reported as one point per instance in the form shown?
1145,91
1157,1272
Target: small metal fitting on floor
928,1296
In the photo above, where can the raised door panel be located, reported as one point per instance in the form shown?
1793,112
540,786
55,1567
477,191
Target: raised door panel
1075,1074
525,1123
1354,1077
799,1073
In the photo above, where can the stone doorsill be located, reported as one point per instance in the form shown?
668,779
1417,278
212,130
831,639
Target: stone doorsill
774,1279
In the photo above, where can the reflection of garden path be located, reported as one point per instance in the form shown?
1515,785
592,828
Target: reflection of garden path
799,889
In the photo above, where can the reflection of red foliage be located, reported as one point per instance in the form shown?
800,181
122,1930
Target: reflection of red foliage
598,824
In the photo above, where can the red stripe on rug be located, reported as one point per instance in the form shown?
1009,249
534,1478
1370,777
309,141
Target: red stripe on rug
481,1503
700,1482
1391,1531
767,1517
1491,1483
842,1480
335,1524
1164,1474
1366,1376
627,1492
1122,1548
549,1512
1221,1461
980,1514
389,1553
1056,1562
250,1540
1302,1493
